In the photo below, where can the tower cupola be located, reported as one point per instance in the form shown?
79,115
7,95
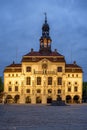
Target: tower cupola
45,40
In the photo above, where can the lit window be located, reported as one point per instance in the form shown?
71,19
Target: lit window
59,69
28,69
59,81
28,80
38,80
49,80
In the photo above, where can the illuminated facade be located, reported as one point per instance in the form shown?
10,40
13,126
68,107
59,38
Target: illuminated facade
43,76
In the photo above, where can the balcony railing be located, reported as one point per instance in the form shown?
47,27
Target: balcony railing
45,72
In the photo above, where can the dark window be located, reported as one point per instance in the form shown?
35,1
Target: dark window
75,88
38,80
28,80
28,69
49,91
16,88
38,91
27,90
59,91
59,81
49,80
9,88
59,69
69,89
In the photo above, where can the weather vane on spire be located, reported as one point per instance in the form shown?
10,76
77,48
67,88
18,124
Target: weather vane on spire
45,17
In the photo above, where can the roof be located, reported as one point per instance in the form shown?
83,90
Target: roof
35,56
37,53
73,68
13,68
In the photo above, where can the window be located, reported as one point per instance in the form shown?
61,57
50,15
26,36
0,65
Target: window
59,69
9,75
68,75
12,75
10,82
59,91
28,80
49,80
75,89
69,83
38,80
72,75
69,89
75,82
16,75
16,82
16,88
9,89
76,75
28,69
38,91
49,90
27,90
59,81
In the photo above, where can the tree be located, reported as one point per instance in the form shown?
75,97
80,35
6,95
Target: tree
1,85
84,91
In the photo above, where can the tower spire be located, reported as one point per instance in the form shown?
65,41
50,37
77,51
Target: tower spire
45,17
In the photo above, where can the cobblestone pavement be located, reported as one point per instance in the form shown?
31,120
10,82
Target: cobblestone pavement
42,117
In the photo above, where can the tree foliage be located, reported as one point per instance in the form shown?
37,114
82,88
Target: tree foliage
1,85
85,91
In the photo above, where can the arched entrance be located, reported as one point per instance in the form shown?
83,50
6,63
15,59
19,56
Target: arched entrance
9,99
49,100
38,100
16,98
76,99
28,99
68,99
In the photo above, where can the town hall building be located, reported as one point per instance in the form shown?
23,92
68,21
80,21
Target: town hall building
43,76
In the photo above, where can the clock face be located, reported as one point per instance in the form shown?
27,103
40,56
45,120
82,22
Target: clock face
44,66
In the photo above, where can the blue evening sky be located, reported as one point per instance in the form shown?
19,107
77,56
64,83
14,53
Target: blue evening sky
20,29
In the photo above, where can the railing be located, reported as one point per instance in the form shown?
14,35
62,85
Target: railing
45,72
